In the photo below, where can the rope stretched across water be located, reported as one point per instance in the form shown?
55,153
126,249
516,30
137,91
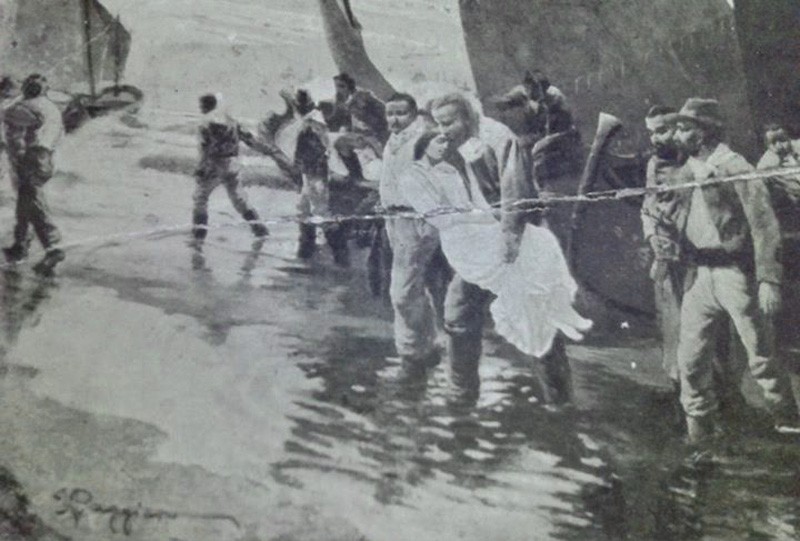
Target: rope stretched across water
521,205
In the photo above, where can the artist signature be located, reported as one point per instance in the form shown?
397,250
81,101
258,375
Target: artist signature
79,503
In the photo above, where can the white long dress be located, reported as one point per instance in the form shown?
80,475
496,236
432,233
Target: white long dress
534,294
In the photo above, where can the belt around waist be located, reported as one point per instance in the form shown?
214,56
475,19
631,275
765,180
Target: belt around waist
399,208
717,257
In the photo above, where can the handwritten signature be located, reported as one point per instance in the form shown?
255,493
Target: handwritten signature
80,503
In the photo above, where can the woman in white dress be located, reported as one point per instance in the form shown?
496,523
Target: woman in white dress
534,294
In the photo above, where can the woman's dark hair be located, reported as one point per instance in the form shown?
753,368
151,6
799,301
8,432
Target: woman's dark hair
422,143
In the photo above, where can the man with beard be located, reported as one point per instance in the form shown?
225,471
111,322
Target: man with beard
660,215
731,241
414,245
489,158
362,117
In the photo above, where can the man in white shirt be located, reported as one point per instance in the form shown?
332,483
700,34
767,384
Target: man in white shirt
414,245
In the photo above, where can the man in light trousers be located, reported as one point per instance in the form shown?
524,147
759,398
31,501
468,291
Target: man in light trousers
414,246
731,244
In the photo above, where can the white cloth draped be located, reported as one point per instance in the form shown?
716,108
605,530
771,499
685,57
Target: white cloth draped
534,294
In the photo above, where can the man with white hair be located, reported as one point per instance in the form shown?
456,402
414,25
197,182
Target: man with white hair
492,166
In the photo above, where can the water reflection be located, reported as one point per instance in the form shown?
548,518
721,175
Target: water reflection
221,300
21,299
509,452
614,468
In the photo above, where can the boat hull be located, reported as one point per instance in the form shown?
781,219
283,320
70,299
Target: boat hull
617,57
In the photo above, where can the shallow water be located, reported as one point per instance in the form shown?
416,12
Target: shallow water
282,374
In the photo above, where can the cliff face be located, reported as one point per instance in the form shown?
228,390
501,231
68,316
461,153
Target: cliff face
617,56
47,36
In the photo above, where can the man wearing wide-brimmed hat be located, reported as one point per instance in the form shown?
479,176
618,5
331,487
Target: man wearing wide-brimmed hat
731,241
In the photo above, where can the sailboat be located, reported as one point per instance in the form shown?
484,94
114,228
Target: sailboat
114,52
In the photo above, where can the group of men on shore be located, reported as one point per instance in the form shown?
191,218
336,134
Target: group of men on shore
722,253
719,254
717,249
425,295
490,156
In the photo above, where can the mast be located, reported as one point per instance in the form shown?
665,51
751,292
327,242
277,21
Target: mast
87,36
116,50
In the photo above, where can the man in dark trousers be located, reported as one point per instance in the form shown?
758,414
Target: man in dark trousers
220,136
731,244
33,129
311,155
488,154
